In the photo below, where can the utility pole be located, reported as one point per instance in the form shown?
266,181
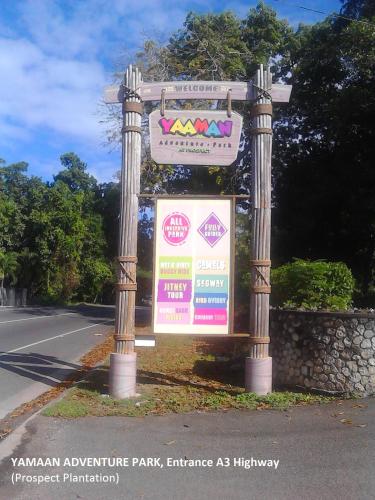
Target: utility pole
258,368
123,363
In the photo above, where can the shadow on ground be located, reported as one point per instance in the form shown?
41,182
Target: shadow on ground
92,312
204,376
38,367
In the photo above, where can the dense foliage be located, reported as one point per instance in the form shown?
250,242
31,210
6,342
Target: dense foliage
312,285
59,239
324,139
53,239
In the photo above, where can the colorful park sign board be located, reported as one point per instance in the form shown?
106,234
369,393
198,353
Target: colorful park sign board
192,263
195,137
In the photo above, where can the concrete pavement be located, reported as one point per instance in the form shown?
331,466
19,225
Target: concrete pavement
319,456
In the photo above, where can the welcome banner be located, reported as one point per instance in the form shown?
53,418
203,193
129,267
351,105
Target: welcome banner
195,137
192,265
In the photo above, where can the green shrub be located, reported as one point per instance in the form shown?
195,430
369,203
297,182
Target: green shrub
312,285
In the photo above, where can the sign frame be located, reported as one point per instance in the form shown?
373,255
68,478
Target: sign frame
231,277
261,92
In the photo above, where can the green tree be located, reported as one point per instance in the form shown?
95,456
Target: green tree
8,270
266,37
95,275
209,46
358,9
219,47
54,230
324,145
59,231
74,174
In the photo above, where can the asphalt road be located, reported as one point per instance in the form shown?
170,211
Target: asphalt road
319,456
39,347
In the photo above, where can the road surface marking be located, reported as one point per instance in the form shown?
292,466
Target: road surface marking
33,372
55,337
35,317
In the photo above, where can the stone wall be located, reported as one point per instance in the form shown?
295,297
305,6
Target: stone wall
325,351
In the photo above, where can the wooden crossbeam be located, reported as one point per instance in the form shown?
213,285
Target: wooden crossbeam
240,91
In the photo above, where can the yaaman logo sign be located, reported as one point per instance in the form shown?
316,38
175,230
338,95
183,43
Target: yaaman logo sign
195,137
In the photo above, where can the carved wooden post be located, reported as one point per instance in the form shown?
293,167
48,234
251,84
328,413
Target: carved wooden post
122,379
258,374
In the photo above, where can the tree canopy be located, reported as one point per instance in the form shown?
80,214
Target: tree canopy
53,239
60,238
323,178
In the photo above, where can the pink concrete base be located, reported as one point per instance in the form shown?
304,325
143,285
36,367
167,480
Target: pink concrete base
123,375
258,375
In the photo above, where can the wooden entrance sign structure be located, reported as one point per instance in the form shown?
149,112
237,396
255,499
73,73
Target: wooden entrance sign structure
262,93
123,366
258,367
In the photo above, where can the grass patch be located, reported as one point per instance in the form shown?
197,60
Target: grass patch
67,408
178,376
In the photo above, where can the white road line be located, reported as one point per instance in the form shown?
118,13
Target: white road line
33,372
55,337
35,317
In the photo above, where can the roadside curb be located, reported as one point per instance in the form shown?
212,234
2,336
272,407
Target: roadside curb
10,442
14,439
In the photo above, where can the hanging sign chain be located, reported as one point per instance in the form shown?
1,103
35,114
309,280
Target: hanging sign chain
162,103
229,103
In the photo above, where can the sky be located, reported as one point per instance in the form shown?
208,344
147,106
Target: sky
56,56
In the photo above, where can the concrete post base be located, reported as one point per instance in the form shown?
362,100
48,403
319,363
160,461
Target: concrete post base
123,375
258,375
